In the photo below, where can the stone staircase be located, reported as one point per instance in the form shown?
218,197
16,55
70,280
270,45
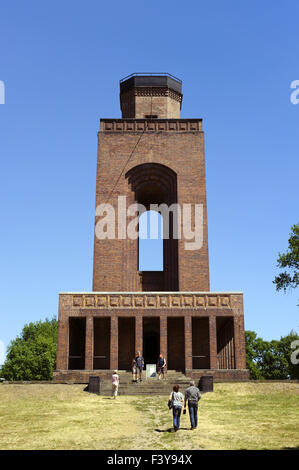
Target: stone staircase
150,386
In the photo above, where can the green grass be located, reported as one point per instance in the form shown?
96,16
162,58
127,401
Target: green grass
235,416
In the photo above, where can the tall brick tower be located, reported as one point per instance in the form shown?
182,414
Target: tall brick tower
151,156
162,158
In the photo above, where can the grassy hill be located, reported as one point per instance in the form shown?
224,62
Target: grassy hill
235,416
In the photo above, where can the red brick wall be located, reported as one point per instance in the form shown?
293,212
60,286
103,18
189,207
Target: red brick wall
180,146
141,102
204,307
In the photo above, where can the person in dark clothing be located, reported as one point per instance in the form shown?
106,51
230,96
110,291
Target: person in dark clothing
192,395
139,365
161,365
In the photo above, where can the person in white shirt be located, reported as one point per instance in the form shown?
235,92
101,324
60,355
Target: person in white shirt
177,399
115,384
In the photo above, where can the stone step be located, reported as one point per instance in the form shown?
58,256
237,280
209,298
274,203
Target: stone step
169,371
153,380
132,391
152,386
143,388
142,384
168,375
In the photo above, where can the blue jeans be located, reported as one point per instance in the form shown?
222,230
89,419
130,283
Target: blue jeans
176,412
193,408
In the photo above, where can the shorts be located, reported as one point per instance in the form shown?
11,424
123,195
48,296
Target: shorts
161,370
139,369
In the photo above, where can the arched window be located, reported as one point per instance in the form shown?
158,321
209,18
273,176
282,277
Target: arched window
157,263
150,253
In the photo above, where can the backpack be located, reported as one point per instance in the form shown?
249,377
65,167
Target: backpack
170,402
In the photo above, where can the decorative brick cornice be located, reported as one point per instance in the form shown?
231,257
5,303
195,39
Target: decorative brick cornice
153,125
158,91
152,300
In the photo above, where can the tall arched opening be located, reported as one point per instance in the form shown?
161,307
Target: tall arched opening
156,184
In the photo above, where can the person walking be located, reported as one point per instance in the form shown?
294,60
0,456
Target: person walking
161,365
192,395
177,399
134,371
139,365
115,384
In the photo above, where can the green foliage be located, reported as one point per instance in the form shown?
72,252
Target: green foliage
253,349
270,360
289,260
32,355
285,351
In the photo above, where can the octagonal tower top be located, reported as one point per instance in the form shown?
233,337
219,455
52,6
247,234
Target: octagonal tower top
150,96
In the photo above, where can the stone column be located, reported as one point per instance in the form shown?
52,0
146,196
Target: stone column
239,343
163,336
213,342
62,354
139,334
114,342
188,342
89,343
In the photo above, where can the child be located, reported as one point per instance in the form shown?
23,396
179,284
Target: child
134,371
115,384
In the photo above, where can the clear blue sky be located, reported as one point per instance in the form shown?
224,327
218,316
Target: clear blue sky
61,62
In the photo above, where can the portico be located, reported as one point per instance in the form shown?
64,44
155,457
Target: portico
196,331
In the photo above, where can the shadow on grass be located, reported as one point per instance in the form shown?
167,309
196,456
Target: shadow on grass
99,394
165,430
172,430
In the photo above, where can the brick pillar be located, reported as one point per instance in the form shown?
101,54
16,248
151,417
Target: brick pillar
114,342
62,354
239,343
213,342
89,343
163,336
139,334
188,342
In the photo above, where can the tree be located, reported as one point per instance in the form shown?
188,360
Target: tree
289,260
254,346
32,355
285,350
270,360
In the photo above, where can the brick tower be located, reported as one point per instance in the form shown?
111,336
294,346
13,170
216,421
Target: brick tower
163,160
151,156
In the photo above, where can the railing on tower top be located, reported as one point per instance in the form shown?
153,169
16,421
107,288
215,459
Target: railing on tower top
149,74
